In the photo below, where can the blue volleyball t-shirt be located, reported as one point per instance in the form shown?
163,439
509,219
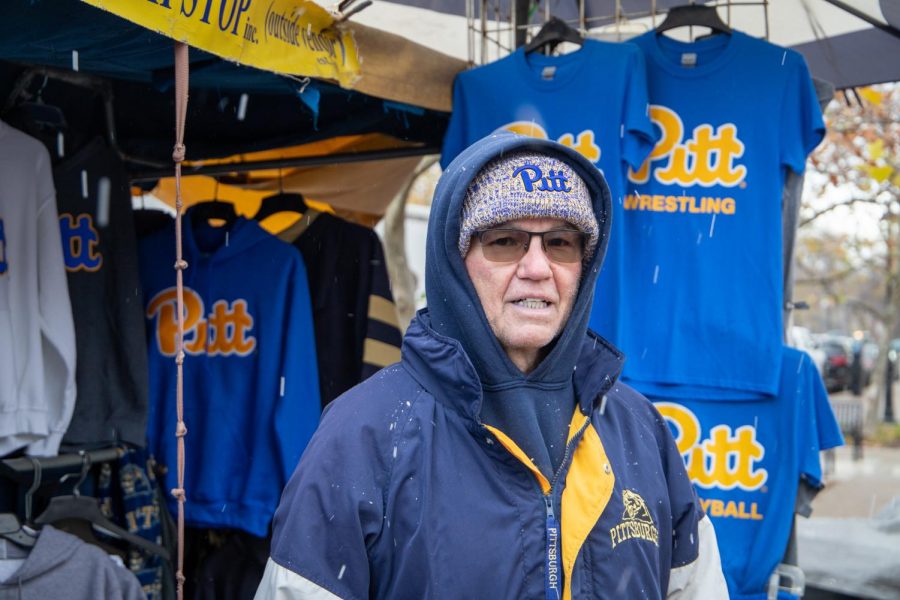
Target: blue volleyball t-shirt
746,460
699,310
593,99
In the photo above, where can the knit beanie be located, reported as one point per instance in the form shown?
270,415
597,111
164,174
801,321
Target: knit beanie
526,185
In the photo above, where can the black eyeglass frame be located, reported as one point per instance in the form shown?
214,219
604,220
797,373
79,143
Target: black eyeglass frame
479,234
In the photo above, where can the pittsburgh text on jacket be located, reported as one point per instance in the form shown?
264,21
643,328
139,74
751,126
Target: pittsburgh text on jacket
707,159
229,12
725,460
4,267
226,331
79,243
553,557
681,204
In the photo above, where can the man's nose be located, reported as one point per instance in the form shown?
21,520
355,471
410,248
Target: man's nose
535,264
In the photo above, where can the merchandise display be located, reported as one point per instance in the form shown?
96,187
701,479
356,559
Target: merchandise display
37,355
746,460
701,308
251,385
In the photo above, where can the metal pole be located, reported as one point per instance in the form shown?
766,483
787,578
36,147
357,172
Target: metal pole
889,386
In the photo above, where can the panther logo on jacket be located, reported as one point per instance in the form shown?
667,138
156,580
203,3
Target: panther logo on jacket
637,522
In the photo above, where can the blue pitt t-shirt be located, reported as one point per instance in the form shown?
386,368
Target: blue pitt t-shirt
746,460
699,313
593,99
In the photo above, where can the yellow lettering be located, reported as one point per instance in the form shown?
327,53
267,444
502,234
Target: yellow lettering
671,204
584,145
707,159
672,129
631,202
658,202
162,307
645,202
728,206
725,460
225,332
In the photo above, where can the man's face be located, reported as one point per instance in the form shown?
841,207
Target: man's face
527,302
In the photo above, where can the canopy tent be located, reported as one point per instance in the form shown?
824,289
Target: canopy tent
99,62
845,42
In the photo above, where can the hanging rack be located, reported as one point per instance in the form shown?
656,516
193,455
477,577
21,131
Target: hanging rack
97,85
22,468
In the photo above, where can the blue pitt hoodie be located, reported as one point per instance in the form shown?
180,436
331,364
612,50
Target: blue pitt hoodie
404,491
251,396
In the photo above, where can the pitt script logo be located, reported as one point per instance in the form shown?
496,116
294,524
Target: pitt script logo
637,522
707,159
4,266
79,242
584,143
226,331
725,460
555,181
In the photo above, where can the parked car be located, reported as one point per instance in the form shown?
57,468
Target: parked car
801,339
836,371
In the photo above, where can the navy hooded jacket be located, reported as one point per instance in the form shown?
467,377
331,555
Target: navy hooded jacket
405,492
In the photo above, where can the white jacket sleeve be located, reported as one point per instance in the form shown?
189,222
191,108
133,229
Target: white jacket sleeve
702,579
279,583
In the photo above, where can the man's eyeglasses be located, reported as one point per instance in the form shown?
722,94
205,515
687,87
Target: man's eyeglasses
510,245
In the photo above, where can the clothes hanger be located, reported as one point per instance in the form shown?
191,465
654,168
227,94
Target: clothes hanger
693,15
280,202
10,527
202,212
84,508
554,32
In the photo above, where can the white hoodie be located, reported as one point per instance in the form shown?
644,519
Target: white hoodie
37,334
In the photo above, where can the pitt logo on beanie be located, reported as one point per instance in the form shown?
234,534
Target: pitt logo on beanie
526,185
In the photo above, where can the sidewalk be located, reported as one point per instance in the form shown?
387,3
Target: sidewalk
859,488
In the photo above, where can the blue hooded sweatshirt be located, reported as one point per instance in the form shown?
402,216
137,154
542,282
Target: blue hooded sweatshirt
406,492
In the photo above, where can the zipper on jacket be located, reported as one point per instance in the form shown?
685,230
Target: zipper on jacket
552,529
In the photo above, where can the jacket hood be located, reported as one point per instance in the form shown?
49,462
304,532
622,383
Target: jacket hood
533,409
453,303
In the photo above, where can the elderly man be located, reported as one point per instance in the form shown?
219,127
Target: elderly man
500,458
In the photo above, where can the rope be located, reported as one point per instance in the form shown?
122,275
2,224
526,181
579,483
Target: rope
178,153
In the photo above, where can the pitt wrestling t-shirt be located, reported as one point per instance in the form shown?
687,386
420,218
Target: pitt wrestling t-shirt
699,310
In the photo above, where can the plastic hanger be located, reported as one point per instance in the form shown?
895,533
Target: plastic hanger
693,15
554,32
10,527
280,202
87,509
213,209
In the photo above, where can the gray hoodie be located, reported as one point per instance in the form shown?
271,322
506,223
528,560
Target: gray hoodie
62,566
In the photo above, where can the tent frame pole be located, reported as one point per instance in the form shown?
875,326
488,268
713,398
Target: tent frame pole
299,161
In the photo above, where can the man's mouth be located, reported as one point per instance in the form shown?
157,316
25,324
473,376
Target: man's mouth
532,303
